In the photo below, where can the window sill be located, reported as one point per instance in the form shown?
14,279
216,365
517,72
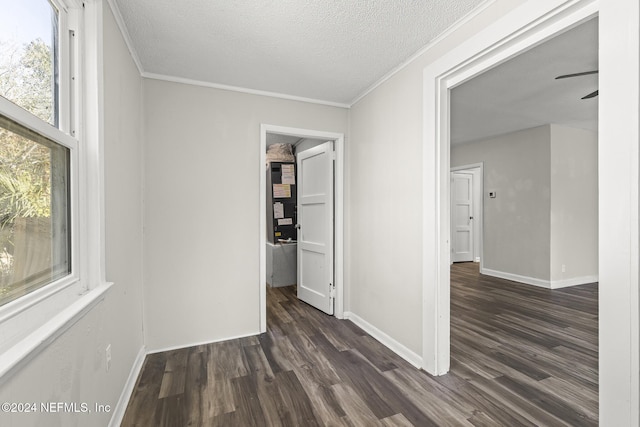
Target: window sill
31,345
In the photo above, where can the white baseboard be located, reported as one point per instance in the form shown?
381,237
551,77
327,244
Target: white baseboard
393,345
194,344
575,281
517,278
548,284
121,406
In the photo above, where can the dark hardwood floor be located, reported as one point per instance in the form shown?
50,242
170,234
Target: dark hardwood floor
520,356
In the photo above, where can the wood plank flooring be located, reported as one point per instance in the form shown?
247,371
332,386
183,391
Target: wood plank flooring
520,356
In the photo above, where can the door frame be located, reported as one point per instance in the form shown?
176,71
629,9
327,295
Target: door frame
619,175
524,28
478,202
338,224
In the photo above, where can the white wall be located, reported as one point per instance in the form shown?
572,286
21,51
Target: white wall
574,205
72,368
545,214
202,207
383,227
384,211
516,222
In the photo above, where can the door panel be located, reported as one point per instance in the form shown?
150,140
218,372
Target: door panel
315,231
462,216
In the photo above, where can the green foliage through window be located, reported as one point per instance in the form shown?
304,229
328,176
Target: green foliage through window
34,170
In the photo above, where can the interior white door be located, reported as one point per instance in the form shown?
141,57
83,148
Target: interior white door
461,216
315,226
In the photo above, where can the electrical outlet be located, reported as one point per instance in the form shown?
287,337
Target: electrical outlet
108,357
564,268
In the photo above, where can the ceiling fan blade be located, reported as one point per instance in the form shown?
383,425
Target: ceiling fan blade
585,73
591,95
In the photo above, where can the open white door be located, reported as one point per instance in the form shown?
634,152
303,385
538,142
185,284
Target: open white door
315,227
461,216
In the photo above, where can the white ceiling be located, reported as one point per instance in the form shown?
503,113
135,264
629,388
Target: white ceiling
325,50
523,92
333,51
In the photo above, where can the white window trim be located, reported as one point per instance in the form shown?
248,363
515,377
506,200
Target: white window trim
30,323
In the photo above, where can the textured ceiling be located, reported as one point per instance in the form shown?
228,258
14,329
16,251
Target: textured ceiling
326,50
333,51
523,92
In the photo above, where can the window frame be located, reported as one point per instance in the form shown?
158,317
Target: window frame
29,323
29,121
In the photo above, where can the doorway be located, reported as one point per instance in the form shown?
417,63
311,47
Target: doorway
618,164
466,213
439,79
540,210
337,141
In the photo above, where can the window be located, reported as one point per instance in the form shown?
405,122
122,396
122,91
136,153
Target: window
29,46
51,191
51,183
35,182
34,211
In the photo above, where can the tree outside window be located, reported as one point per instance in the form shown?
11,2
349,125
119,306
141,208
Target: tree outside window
34,234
